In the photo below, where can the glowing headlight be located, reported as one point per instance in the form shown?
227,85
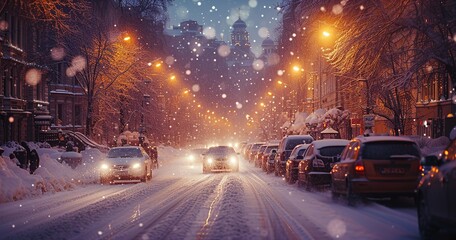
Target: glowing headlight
233,160
191,158
210,160
136,166
104,166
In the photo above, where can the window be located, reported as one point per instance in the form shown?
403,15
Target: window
385,150
60,112
77,115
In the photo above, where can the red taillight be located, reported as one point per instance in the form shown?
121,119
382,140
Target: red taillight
421,168
359,168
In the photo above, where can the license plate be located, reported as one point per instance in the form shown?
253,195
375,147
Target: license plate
392,170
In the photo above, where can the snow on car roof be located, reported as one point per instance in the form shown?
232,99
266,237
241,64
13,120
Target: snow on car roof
297,136
383,138
330,142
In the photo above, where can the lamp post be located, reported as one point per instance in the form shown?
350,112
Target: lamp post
145,101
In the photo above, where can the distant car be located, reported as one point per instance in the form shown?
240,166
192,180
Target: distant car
259,156
436,195
314,169
126,163
220,158
387,166
291,167
286,145
266,159
253,151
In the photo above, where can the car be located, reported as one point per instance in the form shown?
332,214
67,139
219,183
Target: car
436,195
126,163
266,160
259,156
385,166
291,167
220,158
253,151
271,161
286,145
316,164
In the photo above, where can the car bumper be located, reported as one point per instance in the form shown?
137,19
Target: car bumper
383,188
124,174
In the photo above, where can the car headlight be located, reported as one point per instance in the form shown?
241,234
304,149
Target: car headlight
191,158
104,166
136,165
210,160
233,160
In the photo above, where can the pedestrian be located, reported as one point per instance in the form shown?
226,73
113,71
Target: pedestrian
34,161
27,150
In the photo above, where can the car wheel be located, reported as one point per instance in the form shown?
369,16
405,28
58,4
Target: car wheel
308,183
427,230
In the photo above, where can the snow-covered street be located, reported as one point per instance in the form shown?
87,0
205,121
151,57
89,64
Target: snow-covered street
183,203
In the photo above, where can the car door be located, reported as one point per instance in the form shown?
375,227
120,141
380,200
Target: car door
448,170
451,190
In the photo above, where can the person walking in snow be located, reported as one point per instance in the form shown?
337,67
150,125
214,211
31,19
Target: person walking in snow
34,161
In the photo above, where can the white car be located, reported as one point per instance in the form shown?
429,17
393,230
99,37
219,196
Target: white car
220,158
126,163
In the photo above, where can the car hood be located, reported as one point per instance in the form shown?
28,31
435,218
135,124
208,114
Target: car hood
120,161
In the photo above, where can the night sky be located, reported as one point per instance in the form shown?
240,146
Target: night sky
260,15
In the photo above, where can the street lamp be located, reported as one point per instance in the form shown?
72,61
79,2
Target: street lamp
145,101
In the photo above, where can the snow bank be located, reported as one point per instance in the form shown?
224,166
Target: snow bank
52,176
431,146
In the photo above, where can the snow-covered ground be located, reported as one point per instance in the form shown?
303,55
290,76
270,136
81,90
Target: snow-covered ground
58,202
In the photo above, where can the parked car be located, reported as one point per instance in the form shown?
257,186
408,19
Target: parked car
291,167
126,163
259,156
284,150
271,161
314,169
267,155
436,195
254,150
220,158
377,166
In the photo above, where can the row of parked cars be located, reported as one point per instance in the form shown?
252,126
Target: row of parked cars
367,166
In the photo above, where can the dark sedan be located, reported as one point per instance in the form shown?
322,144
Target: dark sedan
436,196
318,160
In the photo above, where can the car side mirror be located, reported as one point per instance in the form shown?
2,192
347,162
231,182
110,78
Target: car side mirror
299,157
430,161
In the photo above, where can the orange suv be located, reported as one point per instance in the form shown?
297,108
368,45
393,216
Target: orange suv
377,166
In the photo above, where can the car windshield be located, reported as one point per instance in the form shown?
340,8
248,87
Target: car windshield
124,153
220,151
386,150
293,142
331,151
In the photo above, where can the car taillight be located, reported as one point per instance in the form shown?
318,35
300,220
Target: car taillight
359,168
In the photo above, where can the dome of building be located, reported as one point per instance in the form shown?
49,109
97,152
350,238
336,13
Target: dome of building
239,24
268,42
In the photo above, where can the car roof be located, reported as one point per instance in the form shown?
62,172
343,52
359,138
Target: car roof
302,146
330,142
382,138
298,136
124,147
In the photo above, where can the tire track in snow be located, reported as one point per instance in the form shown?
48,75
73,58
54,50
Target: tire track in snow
284,222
